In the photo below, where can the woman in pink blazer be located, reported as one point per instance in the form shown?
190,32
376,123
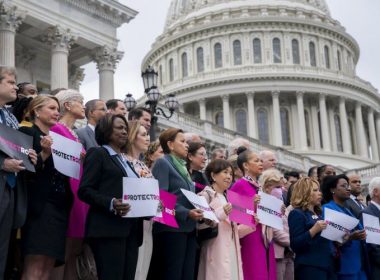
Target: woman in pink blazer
220,256
257,250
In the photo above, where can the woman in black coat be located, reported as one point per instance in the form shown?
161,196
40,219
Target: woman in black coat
114,240
49,196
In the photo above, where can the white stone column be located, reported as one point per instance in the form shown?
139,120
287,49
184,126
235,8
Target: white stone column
345,131
333,135
251,114
360,131
202,108
9,22
60,39
324,123
277,137
378,130
372,135
301,121
226,111
315,122
106,59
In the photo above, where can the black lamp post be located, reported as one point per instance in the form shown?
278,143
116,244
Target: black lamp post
150,86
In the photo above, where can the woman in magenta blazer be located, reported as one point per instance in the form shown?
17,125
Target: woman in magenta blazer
257,250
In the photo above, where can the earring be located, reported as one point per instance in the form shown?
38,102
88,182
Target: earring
37,116
333,192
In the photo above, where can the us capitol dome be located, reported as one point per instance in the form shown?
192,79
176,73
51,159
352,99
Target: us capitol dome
280,72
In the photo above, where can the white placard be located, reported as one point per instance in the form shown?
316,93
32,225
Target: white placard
372,228
338,225
143,195
66,155
269,211
200,202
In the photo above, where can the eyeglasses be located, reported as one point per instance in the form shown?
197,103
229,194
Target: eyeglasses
345,186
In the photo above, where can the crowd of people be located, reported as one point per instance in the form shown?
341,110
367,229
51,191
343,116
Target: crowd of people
56,227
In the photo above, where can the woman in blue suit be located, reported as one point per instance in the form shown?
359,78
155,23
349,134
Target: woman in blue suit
313,252
353,255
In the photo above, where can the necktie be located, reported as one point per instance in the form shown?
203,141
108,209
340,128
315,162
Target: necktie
11,177
359,203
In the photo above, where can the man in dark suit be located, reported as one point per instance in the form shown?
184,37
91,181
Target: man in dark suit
12,205
354,204
95,110
374,210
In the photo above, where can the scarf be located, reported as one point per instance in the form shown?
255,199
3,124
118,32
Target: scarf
180,165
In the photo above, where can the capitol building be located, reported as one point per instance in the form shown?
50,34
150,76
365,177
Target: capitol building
280,72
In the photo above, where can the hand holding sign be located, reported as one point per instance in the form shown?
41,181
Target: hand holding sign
201,205
121,208
372,228
338,225
66,155
269,211
142,194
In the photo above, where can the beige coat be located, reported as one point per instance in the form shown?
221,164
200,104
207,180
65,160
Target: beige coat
215,260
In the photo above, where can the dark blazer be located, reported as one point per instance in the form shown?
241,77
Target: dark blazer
20,194
102,180
87,137
373,249
309,251
170,180
46,178
353,207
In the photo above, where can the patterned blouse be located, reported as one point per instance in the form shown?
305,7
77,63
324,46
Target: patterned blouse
141,169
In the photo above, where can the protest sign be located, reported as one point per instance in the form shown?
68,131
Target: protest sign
66,155
372,228
16,144
242,209
200,202
143,195
269,211
338,225
168,202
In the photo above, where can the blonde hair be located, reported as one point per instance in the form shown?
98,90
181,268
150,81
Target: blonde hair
67,96
37,103
301,193
134,128
269,177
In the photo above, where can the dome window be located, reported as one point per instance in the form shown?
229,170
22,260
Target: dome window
257,51
218,55
241,121
296,51
263,128
184,65
313,57
276,50
200,60
339,57
237,52
327,57
171,70
285,127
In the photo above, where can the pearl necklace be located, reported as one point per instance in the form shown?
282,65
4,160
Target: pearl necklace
69,129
